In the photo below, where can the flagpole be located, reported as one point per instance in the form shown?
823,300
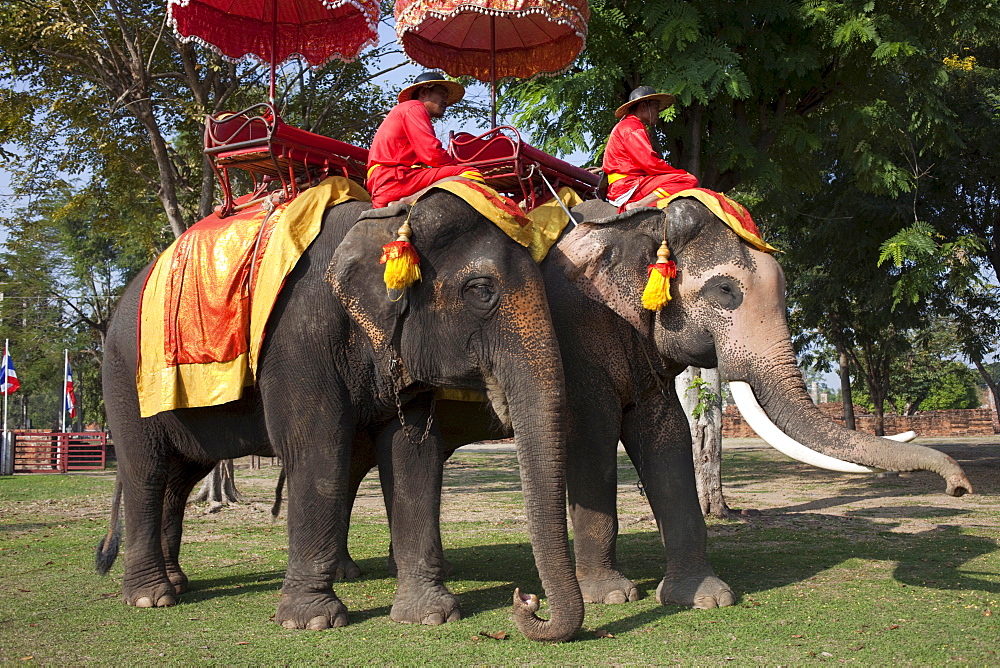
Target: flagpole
65,365
6,354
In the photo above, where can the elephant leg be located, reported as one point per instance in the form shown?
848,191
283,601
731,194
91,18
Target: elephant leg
592,484
658,440
411,474
313,439
362,461
142,472
182,476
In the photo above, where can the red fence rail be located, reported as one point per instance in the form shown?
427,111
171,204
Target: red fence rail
59,452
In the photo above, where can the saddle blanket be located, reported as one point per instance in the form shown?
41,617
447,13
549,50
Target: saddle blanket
207,298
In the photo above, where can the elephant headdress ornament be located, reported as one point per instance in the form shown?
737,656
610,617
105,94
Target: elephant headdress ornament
402,264
657,291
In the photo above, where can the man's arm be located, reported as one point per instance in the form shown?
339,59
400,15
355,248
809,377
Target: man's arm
642,155
420,132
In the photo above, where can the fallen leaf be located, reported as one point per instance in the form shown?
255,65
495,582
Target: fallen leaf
797,635
243,642
893,627
858,647
27,658
601,633
825,654
987,613
499,635
26,591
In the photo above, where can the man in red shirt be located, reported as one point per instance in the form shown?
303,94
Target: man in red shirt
637,175
406,157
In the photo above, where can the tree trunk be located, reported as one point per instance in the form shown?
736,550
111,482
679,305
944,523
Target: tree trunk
706,437
218,488
845,388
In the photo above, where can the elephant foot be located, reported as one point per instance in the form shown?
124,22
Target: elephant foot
608,587
430,605
313,611
160,595
178,579
346,569
701,591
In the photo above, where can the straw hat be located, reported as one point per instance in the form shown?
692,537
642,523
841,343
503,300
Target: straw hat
456,91
641,94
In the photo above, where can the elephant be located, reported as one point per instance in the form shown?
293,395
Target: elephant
620,360
345,366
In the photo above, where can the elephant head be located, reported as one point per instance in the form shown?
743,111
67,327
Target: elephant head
478,318
728,310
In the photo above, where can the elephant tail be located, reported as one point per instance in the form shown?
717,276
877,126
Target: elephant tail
107,549
276,508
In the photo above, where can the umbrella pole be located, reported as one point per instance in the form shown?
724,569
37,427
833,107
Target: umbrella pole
493,70
274,48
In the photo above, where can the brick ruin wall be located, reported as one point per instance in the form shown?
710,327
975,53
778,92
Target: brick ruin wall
969,422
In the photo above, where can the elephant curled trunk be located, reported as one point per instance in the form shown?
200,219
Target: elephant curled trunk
534,394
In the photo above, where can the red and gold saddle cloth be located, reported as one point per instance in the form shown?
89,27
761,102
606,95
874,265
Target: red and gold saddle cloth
729,211
207,299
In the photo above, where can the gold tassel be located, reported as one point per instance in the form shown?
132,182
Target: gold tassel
402,264
657,292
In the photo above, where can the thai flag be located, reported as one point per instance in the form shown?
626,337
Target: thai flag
70,406
8,377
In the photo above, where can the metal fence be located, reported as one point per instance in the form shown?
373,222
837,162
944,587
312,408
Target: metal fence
59,452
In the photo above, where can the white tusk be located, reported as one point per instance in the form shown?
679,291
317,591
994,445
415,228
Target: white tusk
757,419
905,437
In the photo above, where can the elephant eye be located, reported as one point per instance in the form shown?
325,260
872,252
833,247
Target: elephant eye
724,291
480,295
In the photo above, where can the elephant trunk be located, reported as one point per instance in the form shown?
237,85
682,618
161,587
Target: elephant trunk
785,401
535,395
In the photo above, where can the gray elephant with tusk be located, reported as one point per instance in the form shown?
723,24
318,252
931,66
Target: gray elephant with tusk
620,359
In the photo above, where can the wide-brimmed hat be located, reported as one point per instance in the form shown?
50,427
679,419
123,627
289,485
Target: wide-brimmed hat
456,91
641,94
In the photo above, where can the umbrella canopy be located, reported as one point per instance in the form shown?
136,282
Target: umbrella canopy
315,30
493,39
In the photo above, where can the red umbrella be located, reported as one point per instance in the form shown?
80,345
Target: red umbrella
272,31
493,39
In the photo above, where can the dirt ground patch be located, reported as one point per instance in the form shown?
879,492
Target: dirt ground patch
482,484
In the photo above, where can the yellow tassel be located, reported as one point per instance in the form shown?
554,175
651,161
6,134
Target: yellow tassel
657,292
402,264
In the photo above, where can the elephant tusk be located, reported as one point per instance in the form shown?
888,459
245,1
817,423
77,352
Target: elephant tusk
904,437
759,421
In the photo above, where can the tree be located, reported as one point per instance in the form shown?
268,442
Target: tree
950,256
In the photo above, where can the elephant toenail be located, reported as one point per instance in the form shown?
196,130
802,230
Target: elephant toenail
455,615
318,623
289,624
339,620
433,619
166,601
615,597
144,602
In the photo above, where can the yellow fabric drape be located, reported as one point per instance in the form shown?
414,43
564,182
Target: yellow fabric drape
260,252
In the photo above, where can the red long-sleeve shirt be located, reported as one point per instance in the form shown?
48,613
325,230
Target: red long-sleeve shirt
406,137
630,152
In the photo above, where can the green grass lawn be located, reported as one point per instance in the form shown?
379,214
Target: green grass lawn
836,568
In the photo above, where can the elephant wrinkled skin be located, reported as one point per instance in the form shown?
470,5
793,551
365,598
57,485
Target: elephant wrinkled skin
342,367
620,360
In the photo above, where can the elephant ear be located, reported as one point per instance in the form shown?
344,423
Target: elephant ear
356,275
606,259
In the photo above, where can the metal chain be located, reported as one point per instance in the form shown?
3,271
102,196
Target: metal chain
396,375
